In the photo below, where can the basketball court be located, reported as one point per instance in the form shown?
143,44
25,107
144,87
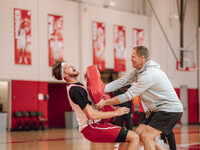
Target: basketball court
187,138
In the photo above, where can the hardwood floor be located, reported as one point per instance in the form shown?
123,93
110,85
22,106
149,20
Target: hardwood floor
187,138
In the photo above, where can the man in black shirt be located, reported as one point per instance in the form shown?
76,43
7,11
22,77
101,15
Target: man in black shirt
93,129
127,118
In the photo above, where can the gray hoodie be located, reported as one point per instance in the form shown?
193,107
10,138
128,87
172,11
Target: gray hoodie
153,87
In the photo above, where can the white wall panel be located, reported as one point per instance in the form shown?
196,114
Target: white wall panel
161,53
69,11
110,18
78,41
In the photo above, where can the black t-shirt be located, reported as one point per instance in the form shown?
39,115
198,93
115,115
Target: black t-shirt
79,95
122,91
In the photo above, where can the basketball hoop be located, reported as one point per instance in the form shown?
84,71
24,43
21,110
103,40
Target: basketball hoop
188,63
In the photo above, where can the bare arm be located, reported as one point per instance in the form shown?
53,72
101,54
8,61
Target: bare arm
112,101
92,114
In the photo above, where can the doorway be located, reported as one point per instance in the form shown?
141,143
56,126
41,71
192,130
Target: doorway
58,105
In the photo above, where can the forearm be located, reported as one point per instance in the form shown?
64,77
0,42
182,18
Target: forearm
112,101
110,87
92,114
103,115
123,81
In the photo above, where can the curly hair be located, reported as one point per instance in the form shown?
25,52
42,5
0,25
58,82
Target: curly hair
56,69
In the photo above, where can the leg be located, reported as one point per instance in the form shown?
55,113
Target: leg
128,121
25,59
123,146
20,58
158,146
139,131
163,137
171,140
141,117
132,141
119,121
147,137
158,142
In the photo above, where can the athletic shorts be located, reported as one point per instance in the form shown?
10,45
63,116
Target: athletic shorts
103,132
163,121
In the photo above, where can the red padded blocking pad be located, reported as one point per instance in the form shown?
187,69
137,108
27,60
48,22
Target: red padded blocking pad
96,87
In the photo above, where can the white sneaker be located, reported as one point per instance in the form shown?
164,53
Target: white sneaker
141,148
165,145
116,145
25,60
20,59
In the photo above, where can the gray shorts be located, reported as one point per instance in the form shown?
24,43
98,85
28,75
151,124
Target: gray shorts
163,121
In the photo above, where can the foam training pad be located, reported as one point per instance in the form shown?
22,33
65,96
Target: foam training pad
95,86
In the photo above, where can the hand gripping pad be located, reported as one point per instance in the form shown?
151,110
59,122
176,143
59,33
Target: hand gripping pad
95,86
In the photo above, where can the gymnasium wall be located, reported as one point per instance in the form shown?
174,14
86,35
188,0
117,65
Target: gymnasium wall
166,11
25,98
39,70
110,18
77,37
78,42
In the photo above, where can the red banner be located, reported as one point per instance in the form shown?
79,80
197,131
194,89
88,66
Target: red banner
138,37
22,36
98,38
55,38
119,48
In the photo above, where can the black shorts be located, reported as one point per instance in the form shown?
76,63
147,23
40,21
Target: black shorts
163,121
122,135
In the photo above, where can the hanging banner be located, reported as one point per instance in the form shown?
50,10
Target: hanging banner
55,38
138,37
22,36
119,48
98,38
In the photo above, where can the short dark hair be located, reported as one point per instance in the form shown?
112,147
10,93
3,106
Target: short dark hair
142,51
56,69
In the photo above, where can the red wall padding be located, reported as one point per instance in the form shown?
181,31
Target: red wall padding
193,114
25,97
177,92
43,104
58,104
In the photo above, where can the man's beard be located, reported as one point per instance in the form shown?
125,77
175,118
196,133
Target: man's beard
74,74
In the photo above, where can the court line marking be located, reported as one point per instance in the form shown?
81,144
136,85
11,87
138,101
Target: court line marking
188,145
39,140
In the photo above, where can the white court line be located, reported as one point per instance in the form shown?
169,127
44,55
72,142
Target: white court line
186,145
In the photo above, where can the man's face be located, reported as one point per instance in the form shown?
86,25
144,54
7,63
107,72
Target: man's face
70,70
136,60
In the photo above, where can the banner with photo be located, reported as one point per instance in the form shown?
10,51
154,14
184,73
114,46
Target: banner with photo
55,38
98,41
119,48
22,36
138,37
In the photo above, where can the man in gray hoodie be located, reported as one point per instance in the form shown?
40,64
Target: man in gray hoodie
157,93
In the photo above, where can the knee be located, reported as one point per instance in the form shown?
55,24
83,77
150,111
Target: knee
139,132
144,137
132,137
140,129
